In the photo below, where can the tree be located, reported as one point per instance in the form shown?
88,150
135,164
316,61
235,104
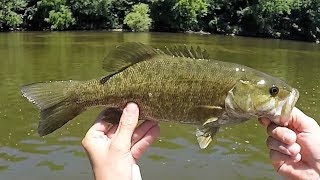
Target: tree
224,16
60,19
11,12
50,14
179,15
306,20
271,16
162,16
138,19
92,14
287,19
119,9
188,13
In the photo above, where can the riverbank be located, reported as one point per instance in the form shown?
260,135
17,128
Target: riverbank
317,41
282,19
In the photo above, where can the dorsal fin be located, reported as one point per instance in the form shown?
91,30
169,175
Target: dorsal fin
130,53
127,54
184,51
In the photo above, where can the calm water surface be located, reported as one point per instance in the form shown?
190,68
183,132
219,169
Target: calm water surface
239,153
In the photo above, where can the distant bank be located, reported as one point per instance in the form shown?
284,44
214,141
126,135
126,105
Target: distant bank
283,19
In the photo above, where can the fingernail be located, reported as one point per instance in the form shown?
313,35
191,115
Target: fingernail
130,111
131,108
297,158
294,149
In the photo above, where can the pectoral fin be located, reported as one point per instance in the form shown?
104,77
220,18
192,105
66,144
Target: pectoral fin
205,135
210,120
205,113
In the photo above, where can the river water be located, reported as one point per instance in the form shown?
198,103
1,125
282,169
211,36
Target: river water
239,152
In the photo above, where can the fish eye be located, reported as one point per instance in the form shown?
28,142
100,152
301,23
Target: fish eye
274,90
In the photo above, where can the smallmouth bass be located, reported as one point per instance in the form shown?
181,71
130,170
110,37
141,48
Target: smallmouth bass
177,83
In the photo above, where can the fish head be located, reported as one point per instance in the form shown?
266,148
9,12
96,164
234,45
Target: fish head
261,96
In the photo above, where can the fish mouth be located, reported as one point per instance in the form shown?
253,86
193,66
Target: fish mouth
290,103
285,110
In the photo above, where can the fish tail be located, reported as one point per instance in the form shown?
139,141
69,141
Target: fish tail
56,105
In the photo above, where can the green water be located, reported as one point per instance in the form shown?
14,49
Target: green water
239,153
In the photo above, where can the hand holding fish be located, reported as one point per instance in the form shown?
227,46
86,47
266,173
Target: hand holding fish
295,148
114,151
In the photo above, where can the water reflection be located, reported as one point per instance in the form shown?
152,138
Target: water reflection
239,151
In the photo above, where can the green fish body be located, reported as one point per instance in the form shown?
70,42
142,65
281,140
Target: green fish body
176,84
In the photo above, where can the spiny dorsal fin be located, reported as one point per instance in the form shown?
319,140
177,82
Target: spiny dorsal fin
184,51
126,55
130,53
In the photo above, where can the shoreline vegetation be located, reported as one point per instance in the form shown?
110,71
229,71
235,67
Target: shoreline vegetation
281,19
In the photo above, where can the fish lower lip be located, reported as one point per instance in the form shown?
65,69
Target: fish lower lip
288,106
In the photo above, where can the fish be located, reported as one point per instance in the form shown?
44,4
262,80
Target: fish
172,83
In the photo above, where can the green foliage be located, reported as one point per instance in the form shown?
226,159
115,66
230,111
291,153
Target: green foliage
119,9
288,19
92,14
138,19
270,15
162,16
188,13
225,16
61,19
50,14
179,15
306,20
10,13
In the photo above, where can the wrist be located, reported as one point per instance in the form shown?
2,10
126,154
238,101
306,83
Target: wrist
111,172
136,174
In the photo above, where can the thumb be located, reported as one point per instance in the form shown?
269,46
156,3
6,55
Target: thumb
128,123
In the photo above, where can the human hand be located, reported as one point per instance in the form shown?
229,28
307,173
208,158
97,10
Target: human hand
294,149
113,151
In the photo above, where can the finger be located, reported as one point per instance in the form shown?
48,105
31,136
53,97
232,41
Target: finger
279,159
302,122
264,121
141,146
96,132
128,123
283,134
291,150
142,129
293,170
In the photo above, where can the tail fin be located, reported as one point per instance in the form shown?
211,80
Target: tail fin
56,105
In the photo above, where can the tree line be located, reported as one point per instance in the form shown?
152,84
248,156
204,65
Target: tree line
287,19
